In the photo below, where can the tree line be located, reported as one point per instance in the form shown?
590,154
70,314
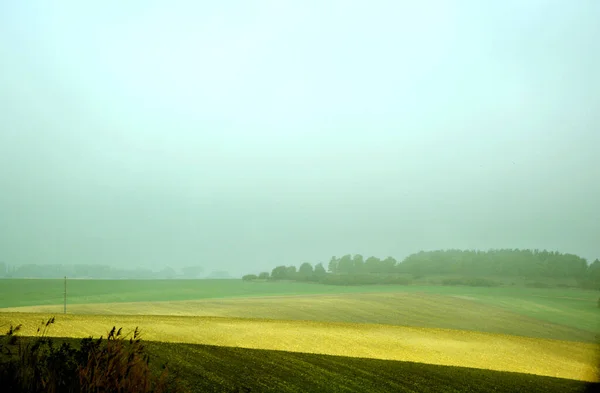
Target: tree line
530,264
95,271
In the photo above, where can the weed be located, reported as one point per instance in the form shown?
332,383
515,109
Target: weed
118,363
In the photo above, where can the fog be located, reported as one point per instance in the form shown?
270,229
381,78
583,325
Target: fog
243,135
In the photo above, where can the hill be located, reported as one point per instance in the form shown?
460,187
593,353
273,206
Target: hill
207,368
566,359
467,311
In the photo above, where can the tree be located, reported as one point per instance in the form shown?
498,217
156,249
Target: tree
388,264
373,265
345,264
264,275
358,264
249,277
306,271
593,275
332,267
290,272
168,273
320,270
279,273
192,271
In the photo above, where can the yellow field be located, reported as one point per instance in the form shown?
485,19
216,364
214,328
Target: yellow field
404,309
425,345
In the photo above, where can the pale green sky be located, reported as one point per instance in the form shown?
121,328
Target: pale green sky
242,135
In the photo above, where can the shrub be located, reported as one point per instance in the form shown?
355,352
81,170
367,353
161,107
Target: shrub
116,364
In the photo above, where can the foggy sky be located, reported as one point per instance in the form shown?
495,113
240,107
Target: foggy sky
243,135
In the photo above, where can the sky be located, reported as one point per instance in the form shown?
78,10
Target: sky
242,135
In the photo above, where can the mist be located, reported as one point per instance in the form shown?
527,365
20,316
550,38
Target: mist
243,135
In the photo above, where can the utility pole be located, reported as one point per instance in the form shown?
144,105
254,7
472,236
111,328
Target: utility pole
65,307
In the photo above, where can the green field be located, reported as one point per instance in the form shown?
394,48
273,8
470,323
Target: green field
441,330
30,292
419,309
207,368
277,371
574,308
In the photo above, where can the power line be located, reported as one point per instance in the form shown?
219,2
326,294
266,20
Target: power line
65,305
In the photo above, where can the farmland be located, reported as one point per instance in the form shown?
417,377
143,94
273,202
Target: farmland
555,358
418,309
277,371
543,332
453,307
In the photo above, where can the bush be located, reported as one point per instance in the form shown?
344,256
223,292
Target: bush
250,277
116,364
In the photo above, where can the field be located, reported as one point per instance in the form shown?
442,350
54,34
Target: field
419,309
544,332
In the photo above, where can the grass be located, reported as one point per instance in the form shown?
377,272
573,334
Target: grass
499,352
405,309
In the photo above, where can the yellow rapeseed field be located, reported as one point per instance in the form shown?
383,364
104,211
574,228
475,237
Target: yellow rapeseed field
404,309
556,358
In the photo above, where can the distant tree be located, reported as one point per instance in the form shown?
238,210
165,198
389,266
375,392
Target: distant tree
592,280
305,272
192,271
387,265
333,265
373,265
168,273
320,270
498,262
345,264
250,277
594,270
143,273
290,272
279,273
264,275
358,264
